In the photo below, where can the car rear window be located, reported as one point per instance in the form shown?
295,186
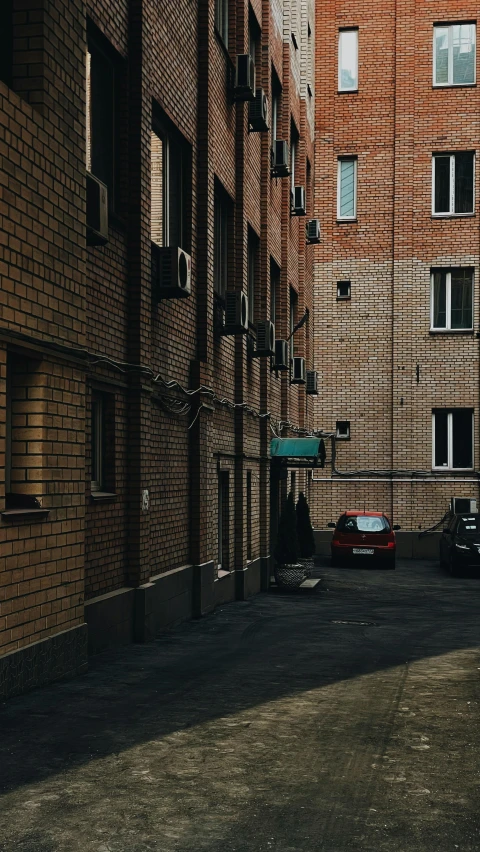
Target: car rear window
363,523
469,524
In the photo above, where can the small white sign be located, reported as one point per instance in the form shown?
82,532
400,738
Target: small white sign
145,500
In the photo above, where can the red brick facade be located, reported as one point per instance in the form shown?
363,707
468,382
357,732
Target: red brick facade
88,350
384,370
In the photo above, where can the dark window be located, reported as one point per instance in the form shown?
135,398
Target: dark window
6,41
224,520
252,251
102,114
342,429
293,319
221,19
102,442
170,187
452,299
343,289
274,291
453,176
249,514
453,438
276,102
222,210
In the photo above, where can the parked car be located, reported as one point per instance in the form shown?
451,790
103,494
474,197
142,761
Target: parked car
460,542
364,537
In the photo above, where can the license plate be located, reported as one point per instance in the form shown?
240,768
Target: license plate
367,551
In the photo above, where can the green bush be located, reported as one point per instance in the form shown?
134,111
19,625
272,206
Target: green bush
286,551
306,538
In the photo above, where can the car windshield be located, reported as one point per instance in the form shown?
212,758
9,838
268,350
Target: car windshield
363,523
469,524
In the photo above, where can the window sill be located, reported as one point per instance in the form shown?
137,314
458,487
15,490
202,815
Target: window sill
449,470
453,215
103,497
469,332
454,85
346,220
347,91
25,514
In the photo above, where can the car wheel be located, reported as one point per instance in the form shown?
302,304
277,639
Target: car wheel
335,560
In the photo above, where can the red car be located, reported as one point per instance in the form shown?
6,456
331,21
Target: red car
362,537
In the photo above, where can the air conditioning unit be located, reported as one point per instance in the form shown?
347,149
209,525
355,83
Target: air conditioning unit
280,159
298,201
281,355
236,313
97,211
171,272
244,78
463,505
258,112
313,231
312,382
265,344
298,371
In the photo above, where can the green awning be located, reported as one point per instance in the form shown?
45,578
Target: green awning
295,448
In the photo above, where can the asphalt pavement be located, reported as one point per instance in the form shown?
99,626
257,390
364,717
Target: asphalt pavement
344,719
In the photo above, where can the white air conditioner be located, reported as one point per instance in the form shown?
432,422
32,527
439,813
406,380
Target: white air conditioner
97,211
298,371
312,382
171,272
313,231
298,201
280,159
236,313
258,112
281,355
463,505
265,343
244,78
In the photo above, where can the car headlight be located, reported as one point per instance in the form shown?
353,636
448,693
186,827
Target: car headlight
462,546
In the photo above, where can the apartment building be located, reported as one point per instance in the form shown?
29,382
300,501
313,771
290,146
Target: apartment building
396,275
156,183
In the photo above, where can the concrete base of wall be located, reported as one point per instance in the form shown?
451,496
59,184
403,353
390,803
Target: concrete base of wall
409,545
60,656
163,602
110,620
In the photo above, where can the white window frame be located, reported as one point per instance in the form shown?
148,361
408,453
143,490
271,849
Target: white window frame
340,66
339,173
450,82
449,465
452,211
448,301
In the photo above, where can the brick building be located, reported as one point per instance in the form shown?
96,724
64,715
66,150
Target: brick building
147,240
396,292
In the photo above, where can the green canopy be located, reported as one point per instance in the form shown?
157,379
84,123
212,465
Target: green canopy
295,448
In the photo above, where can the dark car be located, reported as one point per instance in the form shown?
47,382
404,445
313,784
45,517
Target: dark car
364,537
460,543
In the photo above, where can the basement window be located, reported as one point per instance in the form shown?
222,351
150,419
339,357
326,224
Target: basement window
343,290
342,429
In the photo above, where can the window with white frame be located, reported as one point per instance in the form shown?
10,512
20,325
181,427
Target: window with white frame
453,183
451,299
221,19
348,60
347,188
452,438
454,54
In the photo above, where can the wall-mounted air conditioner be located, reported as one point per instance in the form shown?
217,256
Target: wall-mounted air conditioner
244,78
258,112
463,505
236,313
312,382
298,371
171,272
280,166
265,343
313,231
298,201
281,355
97,211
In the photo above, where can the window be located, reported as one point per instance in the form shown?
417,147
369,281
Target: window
102,443
343,290
348,61
342,429
224,520
252,250
254,41
452,183
249,514
274,290
454,55
222,207
6,42
294,137
221,19
293,319
276,94
102,83
452,438
347,188
451,299
170,197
